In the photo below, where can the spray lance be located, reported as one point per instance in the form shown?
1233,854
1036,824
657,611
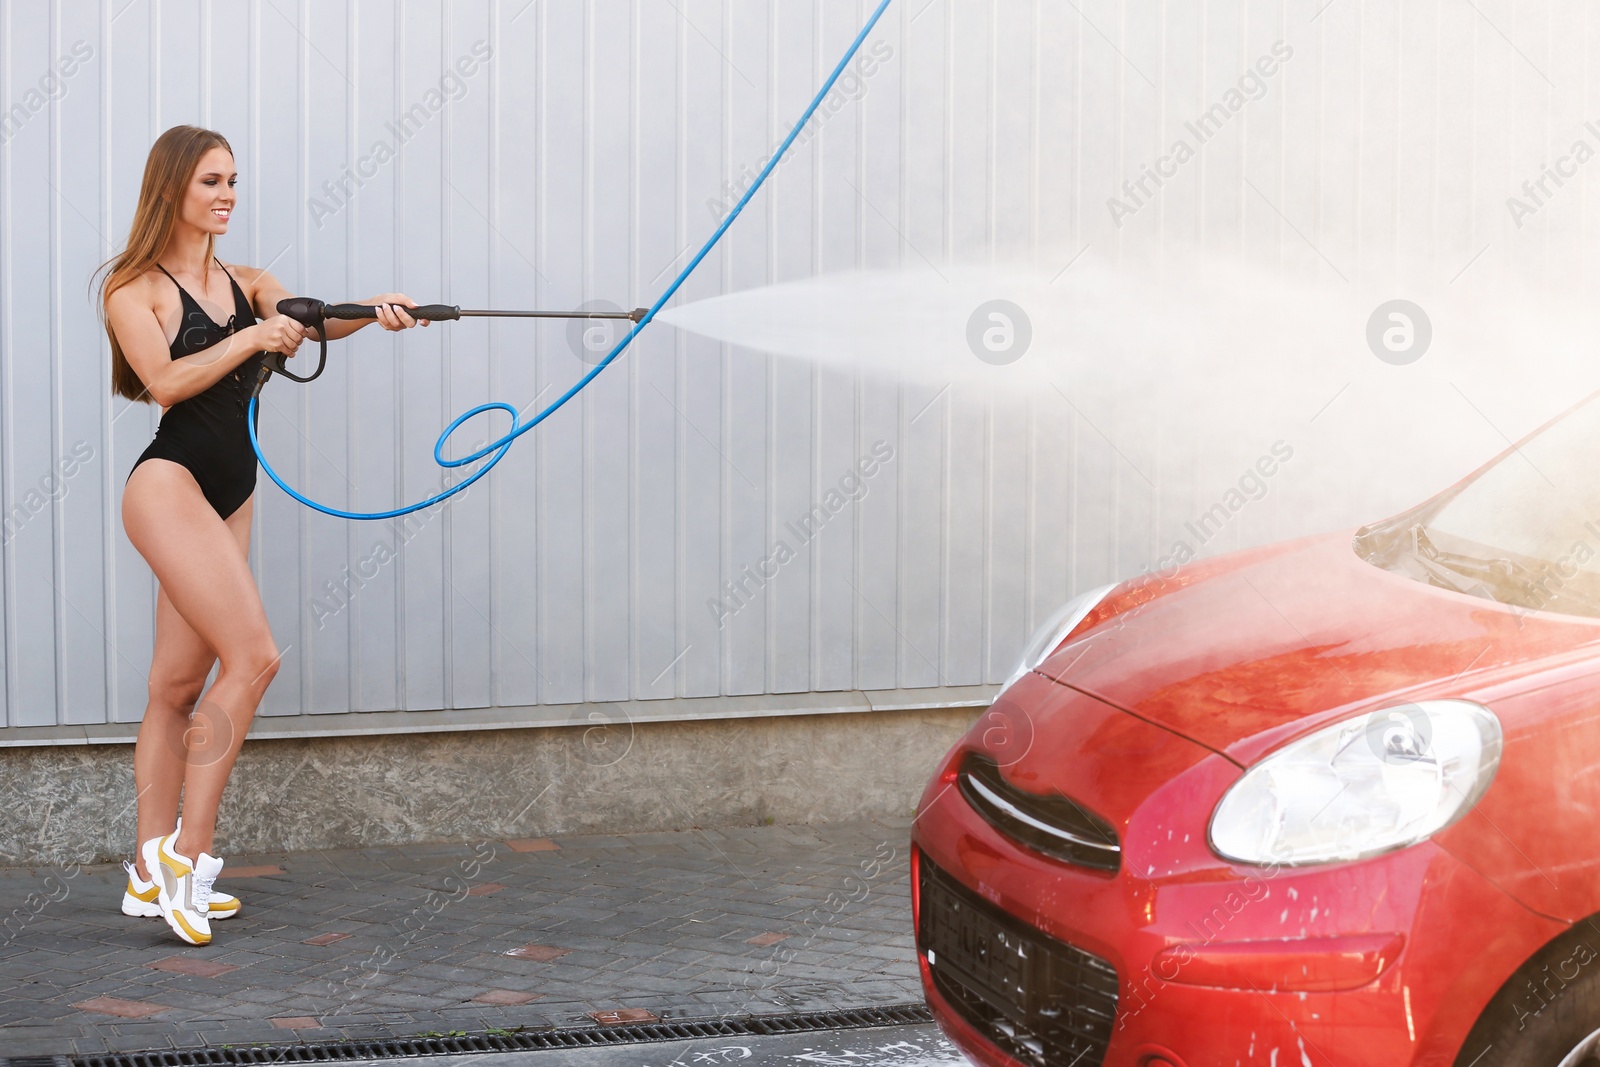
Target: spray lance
311,312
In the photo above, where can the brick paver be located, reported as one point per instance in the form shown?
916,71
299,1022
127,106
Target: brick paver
190,965
469,936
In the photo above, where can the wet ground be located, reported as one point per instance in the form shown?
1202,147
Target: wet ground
474,936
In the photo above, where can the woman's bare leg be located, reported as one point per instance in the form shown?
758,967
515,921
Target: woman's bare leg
207,580
178,672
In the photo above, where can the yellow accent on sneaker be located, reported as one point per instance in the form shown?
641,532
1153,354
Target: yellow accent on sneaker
138,902
193,936
144,903
176,863
175,876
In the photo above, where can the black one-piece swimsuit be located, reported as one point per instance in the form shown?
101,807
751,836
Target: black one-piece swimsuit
206,433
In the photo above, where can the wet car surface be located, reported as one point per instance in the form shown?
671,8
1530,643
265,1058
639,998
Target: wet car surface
1328,801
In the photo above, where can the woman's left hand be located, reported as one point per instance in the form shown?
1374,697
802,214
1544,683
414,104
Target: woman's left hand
390,315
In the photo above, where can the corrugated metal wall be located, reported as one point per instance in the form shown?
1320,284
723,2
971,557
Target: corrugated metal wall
551,152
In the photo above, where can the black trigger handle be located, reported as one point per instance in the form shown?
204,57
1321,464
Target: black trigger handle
308,312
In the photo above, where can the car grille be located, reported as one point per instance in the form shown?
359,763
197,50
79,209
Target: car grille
1055,826
1041,1001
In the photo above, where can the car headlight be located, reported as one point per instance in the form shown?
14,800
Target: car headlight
1360,787
1055,629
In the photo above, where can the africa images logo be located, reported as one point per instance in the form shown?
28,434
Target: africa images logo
451,85
1538,192
1251,86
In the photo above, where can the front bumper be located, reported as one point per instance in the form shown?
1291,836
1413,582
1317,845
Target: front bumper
1349,964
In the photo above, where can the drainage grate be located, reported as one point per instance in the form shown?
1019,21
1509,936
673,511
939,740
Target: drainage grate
526,1041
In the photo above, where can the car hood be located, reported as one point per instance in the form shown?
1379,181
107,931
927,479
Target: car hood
1263,645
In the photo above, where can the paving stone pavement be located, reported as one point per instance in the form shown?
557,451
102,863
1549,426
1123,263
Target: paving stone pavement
469,936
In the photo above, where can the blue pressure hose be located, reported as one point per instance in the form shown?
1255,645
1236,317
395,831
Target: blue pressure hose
500,446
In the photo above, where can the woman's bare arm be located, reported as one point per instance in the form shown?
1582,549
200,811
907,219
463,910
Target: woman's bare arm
132,316
268,291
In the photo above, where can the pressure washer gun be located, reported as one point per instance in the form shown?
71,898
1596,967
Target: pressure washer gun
311,312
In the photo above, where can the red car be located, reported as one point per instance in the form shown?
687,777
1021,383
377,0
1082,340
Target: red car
1328,803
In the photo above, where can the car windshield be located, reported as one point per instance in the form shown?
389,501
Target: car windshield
1524,530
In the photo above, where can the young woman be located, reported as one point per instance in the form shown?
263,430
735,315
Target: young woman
184,334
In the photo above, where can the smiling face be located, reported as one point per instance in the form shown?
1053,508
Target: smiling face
209,199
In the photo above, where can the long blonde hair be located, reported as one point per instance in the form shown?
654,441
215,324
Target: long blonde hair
167,170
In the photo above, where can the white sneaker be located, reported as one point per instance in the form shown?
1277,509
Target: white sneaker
183,887
140,899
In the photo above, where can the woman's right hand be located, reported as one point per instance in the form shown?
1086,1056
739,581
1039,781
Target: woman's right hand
280,333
